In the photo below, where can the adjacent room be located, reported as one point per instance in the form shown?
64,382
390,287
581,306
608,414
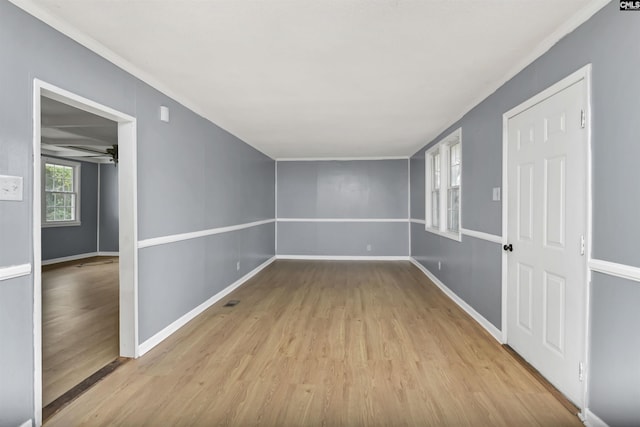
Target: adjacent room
80,273
342,213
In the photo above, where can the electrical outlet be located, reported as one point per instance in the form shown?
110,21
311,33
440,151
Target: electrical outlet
439,265
238,266
368,248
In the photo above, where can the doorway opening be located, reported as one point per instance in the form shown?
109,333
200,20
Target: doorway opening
80,273
85,235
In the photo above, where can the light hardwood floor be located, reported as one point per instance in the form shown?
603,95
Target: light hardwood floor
325,343
79,322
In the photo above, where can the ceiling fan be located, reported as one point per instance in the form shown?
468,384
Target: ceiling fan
113,151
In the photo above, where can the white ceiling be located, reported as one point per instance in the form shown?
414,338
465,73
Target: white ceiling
322,78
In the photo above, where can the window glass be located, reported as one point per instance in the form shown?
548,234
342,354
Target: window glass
435,208
453,209
454,165
443,164
60,191
436,170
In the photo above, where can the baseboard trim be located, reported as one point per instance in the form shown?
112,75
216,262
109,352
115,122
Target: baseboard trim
378,220
108,253
338,159
27,423
488,326
173,327
69,258
343,258
592,420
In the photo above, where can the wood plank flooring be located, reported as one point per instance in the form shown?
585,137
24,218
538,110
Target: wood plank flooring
79,322
325,343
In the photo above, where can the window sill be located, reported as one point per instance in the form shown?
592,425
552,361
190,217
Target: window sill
61,224
448,234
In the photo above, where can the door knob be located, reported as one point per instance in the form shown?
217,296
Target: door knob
508,247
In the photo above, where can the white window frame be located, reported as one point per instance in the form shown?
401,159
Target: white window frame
76,189
442,148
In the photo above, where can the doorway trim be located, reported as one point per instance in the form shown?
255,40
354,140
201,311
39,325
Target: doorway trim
128,225
583,74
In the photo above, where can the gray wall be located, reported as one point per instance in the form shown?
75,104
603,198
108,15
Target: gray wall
471,268
216,180
468,268
16,350
358,189
58,242
109,217
197,270
615,350
192,175
608,41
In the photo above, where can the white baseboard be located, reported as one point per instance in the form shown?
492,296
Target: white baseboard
27,423
69,258
342,220
592,420
343,258
495,332
108,253
173,327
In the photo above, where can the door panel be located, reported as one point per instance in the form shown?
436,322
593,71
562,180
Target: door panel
547,216
525,205
554,124
525,283
554,198
554,311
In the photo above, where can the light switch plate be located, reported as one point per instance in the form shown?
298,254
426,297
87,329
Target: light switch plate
496,194
11,188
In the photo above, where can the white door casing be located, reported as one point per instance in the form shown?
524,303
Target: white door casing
128,233
547,224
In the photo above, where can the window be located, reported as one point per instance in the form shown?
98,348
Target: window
60,192
453,191
435,189
443,172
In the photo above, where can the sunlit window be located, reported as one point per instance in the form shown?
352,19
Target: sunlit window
443,163
60,192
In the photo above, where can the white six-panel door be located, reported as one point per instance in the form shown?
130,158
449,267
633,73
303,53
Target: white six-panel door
547,225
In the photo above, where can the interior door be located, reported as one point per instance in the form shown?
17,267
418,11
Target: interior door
547,224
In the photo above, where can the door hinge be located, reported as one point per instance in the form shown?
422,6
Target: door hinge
583,119
581,371
582,245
